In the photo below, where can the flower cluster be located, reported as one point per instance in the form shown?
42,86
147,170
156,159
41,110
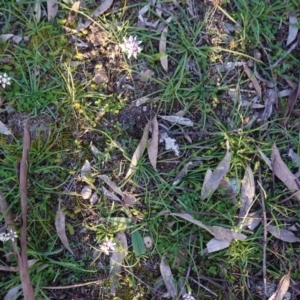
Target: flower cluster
131,46
4,80
188,297
4,237
107,245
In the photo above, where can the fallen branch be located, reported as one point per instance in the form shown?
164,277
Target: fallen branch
28,292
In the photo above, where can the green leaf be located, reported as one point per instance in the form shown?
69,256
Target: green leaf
119,223
138,243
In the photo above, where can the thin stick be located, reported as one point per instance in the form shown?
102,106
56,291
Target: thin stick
264,219
73,285
28,292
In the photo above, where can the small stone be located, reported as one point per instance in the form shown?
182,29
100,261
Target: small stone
250,63
17,39
94,198
86,192
148,242
257,54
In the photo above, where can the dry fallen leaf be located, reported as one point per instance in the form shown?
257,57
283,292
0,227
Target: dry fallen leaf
116,261
109,195
37,11
291,83
178,120
215,245
153,144
294,157
4,129
95,151
213,179
293,30
265,158
105,5
291,103
230,187
6,37
284,93
94,198
270,101
73,12
111,184
168,278
52,9
142,11
158,9
31,262
163,48
100,10
282,288
12,292
283,234
247,194
218,232
86,170
139,151
129,199
253,79
191,8
281,170
60,225
252,221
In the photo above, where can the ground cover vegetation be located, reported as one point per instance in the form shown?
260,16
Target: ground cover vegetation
149,149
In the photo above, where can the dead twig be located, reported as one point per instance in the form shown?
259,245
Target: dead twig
278,61
73,285
28,292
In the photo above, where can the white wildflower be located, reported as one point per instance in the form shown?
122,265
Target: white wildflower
4,80
110,244
188,297
131,46
104,249
107,246
4,237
